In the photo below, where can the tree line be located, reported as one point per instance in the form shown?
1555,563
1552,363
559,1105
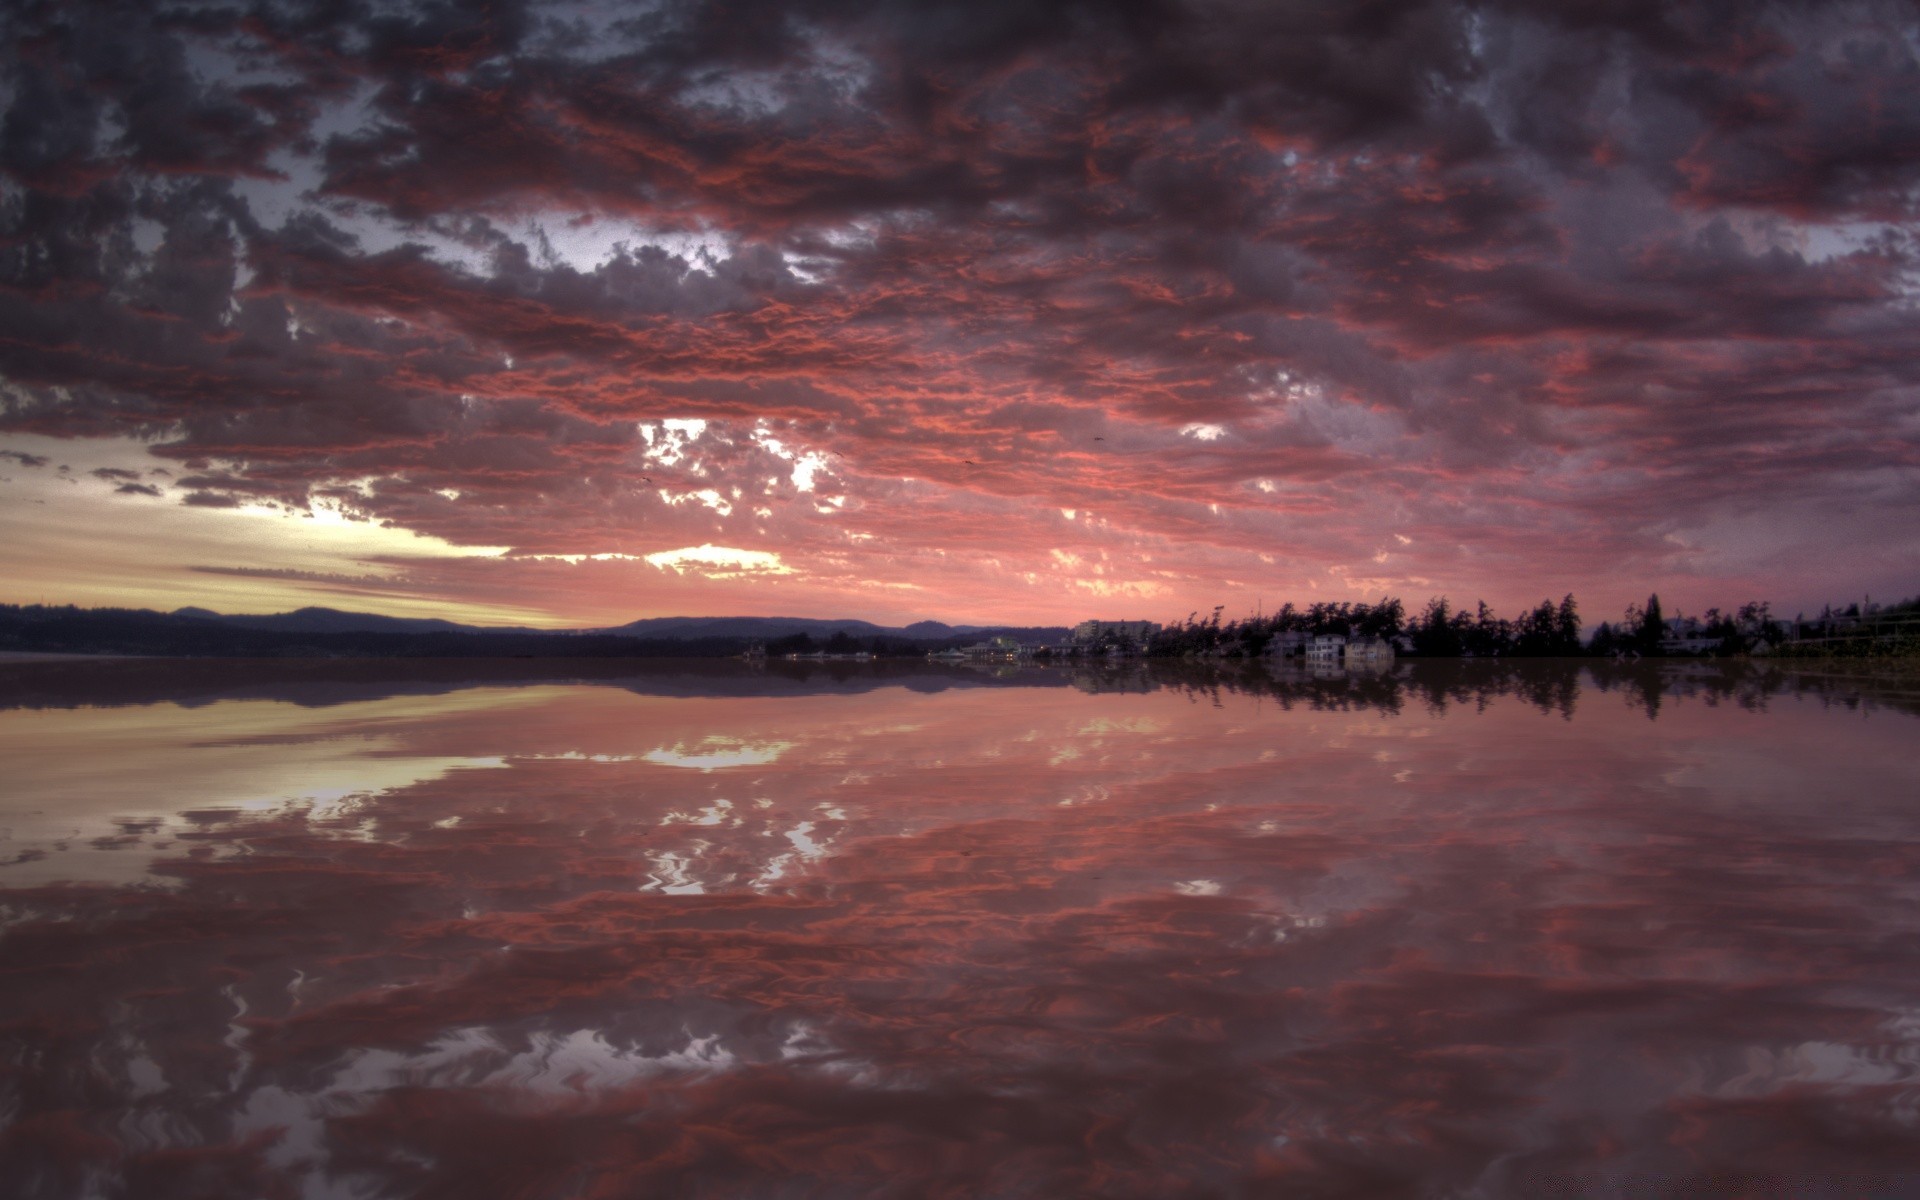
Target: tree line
1439,630
1548,630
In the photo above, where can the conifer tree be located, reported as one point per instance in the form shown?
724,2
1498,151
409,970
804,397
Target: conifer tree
1566,627
1653,626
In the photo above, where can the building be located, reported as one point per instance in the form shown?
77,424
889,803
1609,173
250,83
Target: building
1123,632
1326,649
1687,635
1369,652
1291,643
995,649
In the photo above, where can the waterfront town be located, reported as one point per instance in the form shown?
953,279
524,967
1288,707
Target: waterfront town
1362,636
1116,639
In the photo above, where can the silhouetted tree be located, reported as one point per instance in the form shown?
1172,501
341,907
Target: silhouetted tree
1438,631
1653,627
793,643
1566,626
1381,620
1605,641
1434,633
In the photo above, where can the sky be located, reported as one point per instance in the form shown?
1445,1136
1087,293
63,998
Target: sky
575,313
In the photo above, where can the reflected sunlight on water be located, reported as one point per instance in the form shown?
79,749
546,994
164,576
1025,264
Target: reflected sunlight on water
1452,931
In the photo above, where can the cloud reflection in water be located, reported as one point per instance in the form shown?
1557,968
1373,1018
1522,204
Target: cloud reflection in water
1330,948
713,753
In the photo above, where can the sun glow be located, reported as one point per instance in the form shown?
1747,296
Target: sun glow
719,562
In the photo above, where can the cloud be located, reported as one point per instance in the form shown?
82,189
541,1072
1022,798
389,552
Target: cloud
887,287
719,561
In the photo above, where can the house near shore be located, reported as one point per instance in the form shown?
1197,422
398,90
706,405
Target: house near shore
1369,652
1332,649
1112,637
1326,649
995,649
1290,643
1686,635
1124,632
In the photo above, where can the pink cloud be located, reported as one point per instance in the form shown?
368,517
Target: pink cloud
1606,286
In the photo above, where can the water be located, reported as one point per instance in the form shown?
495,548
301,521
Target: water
700,930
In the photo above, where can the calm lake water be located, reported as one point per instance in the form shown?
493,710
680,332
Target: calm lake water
697,930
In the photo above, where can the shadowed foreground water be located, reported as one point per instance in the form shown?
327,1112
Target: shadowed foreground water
1533,930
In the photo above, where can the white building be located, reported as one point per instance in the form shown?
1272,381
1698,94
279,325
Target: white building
1326,649
1126,632
1687,635
1369,652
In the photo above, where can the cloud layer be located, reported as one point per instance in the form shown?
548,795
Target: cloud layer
1010,308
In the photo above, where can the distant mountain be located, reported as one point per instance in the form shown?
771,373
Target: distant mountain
332,620
929,630
747,627
330,633
768,628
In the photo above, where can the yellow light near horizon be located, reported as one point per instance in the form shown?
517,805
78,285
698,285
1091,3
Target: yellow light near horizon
72,538
719,562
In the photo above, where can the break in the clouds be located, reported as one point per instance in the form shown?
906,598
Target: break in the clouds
984,310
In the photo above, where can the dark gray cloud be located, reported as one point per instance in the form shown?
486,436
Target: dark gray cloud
1625,264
